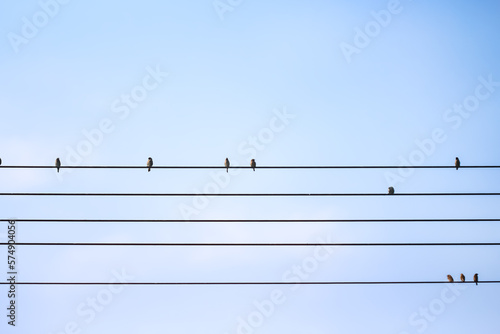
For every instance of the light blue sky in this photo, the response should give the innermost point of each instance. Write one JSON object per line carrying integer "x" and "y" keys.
{"x": 263, "y": 80}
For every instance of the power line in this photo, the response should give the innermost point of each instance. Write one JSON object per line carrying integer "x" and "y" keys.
{"x": 218, "y": 244}
{"x": 48, "y": 220}
{"x": 247, "y": 283}
{"x": 246, "y": 194}
{"x": 248, "y": 167}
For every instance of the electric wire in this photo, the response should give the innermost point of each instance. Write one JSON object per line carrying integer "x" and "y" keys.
{"x": 252, "y": 283}
{"x": 397, "y": 220}
{"x": 252, "y": 244}
{"x": 243, "y": 194}
{"x": 248, "y": 167}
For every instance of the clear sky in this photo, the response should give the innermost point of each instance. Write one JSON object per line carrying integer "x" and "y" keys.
{"x": 284, "y": 82}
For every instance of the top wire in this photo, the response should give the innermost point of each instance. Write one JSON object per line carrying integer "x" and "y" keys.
{"x": 249, "y": 167}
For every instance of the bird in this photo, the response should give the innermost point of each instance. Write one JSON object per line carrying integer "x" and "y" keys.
{"x": 150, "y": 164}
{"x": 58, "y": 164}
{"x": 253, "y": 164}
{"x": 0, "y": 161}
{"x": 462, "y": 277}
{"x": 391, "y": 190}
{"x": 226, "y": 164}
{"x": 450, "y": 279}
{"x": 475, "y": 278}
{"x": 457, "y": 163}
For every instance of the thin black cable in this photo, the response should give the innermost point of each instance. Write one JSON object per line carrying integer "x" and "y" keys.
{"x": 248, "y": 167}
{"x": 244, "y": 244}
{"x": 245, "y": 283}
{"x": 247, "y": 194}
{"x": 46, "y": 220}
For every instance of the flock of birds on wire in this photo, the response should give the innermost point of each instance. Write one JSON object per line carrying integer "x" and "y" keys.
{"x": 227, "y": 164}
{"x": 253, "y": 165}
{"x": 462, "y": 278}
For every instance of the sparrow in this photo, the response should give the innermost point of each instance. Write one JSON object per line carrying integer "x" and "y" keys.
{"x": 391, "y": 190}
{"x": 457, "y": 163}
{"x": 58, "y": 164}
{"x": 450, "y": 279}
{"x": 150, "y": 164}
{"x": 475, "y": 278}
{"x": 226, "y": 164}
{"x": 462, "y": 277}
{"x": 252, "y": 164}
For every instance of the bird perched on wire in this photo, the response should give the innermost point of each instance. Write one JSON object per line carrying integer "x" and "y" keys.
{"x": 58, "y": 164}
{"x": 252, "y": 164}
{"x": 227, "y": 164}
{"x": 391, "y": 190}
{"x": 450, "y": 278}
{"x": 475, "y": 278}
{"x": 0, "y": 161}
{"x": 150, "y": 164}
{"x": 457, "y": 163}
{"x": 462, "y": 277}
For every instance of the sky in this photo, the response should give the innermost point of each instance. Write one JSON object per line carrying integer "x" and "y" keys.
{"x": 287, "y": 83}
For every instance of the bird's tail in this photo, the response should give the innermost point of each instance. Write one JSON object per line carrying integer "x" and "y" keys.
{"x": 149, "y": 169}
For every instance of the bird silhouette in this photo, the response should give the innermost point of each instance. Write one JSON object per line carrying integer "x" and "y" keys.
{"x": 450, "y": 278}
{"x": 58, "y": 164}
{"x": 150, "y": 164}
{"x": 0, "y": 161}
{"x": 457, "y": 163}
{"x": 226, "y": 164}
{"x": 391, "y": 190}
{"x": 462, "y": 277}
{"x": 475, "y": 278}
{"x": 252, "y": 164}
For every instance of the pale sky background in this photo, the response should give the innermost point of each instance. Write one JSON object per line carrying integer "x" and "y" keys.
{"x": 222, "y": 77}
